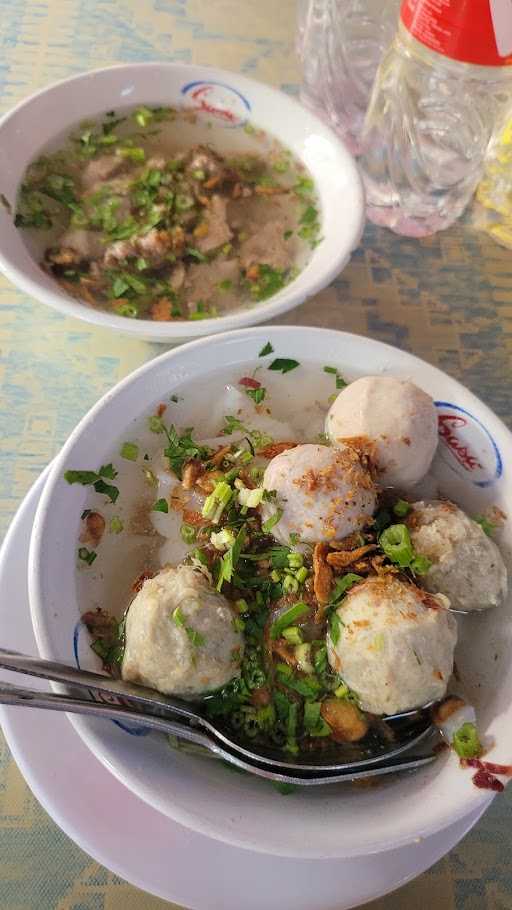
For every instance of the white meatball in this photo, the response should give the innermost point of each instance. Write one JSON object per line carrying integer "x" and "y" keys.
{"x": 466, "y": 564}
{"x": 324, "y": 493}
{"x": 395, "y": 419}
{"x": 186, "y": 653}
{"x": 396, "y": 644}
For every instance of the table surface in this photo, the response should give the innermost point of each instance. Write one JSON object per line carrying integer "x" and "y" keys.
{"x": 447, "y": 299}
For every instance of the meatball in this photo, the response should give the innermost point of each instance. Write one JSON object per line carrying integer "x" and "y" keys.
{"x": 395, "y": 646}
{"x": 323, "y": 493}
{"x": 394, "y": 420}
{"x": 180, "y": 636}
{"x": 466, "y": 564}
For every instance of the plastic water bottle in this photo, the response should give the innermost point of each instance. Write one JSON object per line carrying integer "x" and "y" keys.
{"x": 439, "y": 91}
{"x": 340, "y": 44}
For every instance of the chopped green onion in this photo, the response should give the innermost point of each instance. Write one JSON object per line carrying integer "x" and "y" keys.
{"x": 466, "y": 741}
{"x": 304, "y": 187}
{"x": 130, "y": 451}
{"x": 151, "y": 480}
{"x": 230, "y": 559}
{"x": 156, "y": 424}
{"x": 201, "y": 556}
{"x": 343, "y": 585}
{"x": 287, "y": 618}
{"x": 308, "y": 688}
{"x": 402, "y": 508}
{"x": 420, "y": 565}
{"x": 116, "y": 525}
{"x": 242, "y": 605}
{"x": 283, "y": 364}
{"x": 238, "y": 624}
{"x": 183, "y": 203}
{"x": 195, "y": 637}
{"x": 257, "y": 395}
{"x": 199, "y": 174}
{"x": 283, "y": 788}
{"x": 222, "y": 540}
{"x": 188, "y": 533}
{"x": 290, "y": 584}
{"x": 314, "y": 724}
{"x": 272, "y": 521}
{"x": 249, "y": 498}
{"x": 225, "y": 285}
{"x": 196, "y": 254}
{"x": 295, "y": 560}
{"x": 161, "y": 505}
{"x": 301, "y": 575}
{"x": 342, "y": 691}
{"x": 303, "y": 657}
{"x": 293, "y": 635}
{"x": 178, "y": 618}
{"x": 487, "y": 526}
{"x": 217, "y": 501}
{"x": 129, "y": 310}
{"x": 397, "y": 545}
{"x": 134, "y": 153}
{"x": 266, "y": 349}
{"x": 143, "y": 115}
{"x": 335, "y": 625}
{"x": 86, "y": 555}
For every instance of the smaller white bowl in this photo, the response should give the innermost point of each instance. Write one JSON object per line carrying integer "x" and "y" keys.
{"x": 231, "y": 101}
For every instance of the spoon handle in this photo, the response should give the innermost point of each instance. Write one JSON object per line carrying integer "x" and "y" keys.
{"x": 102, "y": 684}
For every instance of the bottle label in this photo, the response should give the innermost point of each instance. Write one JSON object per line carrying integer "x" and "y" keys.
{"x": 472, "y": 31}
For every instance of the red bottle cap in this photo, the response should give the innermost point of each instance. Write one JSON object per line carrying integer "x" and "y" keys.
{"x": 472, "y": 31}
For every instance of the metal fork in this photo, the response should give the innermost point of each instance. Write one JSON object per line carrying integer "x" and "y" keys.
{"x": 148, "y": 708}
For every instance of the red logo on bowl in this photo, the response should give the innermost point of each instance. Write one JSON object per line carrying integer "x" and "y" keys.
{"x": 467, "y": 446}
{"x": 216, "y": 99}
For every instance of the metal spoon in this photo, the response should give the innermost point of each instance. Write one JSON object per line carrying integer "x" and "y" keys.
{"x": 148, "y": 705}
{"x": 29, "y": 698}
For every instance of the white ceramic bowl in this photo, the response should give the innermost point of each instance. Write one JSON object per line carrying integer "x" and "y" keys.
{"x": 231, "y": 101}
{"x": 331, "y": 821}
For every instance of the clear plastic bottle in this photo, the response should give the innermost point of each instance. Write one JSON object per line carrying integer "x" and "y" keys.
{"x": 439, "y": 91}
{"x": 340, "y": 44}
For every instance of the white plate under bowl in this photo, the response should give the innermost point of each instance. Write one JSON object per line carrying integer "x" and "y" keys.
{"x": 334, "y": 821}
{"x": 145, "y": 847}
{"x": 231, "y": 101}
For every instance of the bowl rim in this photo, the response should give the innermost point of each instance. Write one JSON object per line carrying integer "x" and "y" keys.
{"x": 292, "y": 295}
{"x": 477, "y": 800}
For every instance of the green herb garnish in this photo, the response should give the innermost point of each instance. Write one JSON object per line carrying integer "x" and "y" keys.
{"x": 487, "y": 526}
{"x": 86, "y": 555}
{"x": 116, "y": 525}
{"x": 283, "y": 365}
{"x": 130, "y": 451}
{"x": 466, "y": 741}
{"x": 161, "y": 505}
{"x": 257, "y": 395}
{"x": 402, "y": 508}
{"x": 272, "y": 521}
{"x": 341, "y": 383}
{"x": 96, "y": 479}
{"x": 288, "y": 618}
{"x": 266, "y": 349}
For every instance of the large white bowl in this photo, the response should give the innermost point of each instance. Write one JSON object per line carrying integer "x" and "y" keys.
{"x": 472, "y": 465}
{"x": 232, "y": 100}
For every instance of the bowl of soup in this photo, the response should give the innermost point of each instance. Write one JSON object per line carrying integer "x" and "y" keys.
{"x": 179, "y": 201}
{"x": 267, "y": 573}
